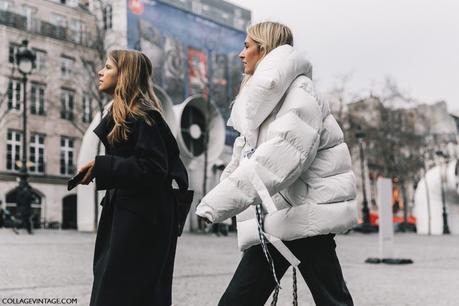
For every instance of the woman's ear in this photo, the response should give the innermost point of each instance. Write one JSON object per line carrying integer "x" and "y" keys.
{"x": 261, "y": 51}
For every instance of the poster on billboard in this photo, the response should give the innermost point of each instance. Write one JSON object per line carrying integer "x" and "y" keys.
{"x": 174, "y": 70}
{"x": 219, "y": 86}
{"x": 236, "y": 69}
{"x": 197, "y": 73}
{"x": 151, "y": 44}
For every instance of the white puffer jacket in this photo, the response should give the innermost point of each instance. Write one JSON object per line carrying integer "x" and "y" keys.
{"x": 289, "y": 140}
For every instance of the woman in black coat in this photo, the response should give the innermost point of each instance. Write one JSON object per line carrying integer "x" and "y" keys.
{"x": 137, "y": 233}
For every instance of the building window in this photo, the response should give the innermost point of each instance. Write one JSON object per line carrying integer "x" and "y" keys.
{"x": 73, "y": 3}
{"x": 28, "y": 12}
{"x": 67, "y": 102}
{"x": 108, "y": 17}
{"x": 67, "y": 64}
{"x": 59, "y": 20}
{"x": 13, "y": 150}
{"x": 15, "y": 94}
{"x": 67, "y": 167}
{"x": 5, "y": 5}
{"x": 40, "y": 61}
{"x": 76, "y": 30}
{"x": 37, "y": 103}
{"x": 12, "y": 52}
{"x": 87, "y": 108}
{"x": 37, "y": 153}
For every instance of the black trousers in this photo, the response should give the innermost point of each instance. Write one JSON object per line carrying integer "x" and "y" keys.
{"x": 253, "y": 281}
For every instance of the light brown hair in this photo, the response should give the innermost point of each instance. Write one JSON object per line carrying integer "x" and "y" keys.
{"x": 133, "y": 94}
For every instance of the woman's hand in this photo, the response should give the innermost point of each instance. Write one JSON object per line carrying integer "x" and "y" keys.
{"x": 202, "y": 215}
{"x": 89, "y": 168}
{"x": 205, "y": 219}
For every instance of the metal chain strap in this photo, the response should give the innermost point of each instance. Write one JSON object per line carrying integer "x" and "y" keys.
{"x": 264, "y": 246}
{"x": 295, "y": 289}
{"x": 275, "y": 297}
{"x": 266, "y": 252}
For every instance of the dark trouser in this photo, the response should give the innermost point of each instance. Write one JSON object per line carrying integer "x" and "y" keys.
{"x": 253, "y": 281}
{"x": 27, "y": 222}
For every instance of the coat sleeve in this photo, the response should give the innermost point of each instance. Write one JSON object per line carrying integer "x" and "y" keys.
{"x": 146, "y": 167}
{"x": 239, "y": 143}
{"x": 290, "y": 148}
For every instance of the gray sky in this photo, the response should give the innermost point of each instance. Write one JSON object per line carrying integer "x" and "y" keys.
{"x": 416, "y": 42}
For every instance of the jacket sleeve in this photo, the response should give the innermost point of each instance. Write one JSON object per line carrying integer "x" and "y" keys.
{"x": 290, "y": 148}
{"x": 239, "y": 143}
{"x": 146, "y": 167}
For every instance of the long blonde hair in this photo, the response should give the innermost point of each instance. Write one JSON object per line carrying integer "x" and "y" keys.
{"x": 133, "y": 94}
{"x": 268, "y": 35}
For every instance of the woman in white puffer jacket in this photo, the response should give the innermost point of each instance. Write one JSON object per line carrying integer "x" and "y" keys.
{"x": 290, "y": 171}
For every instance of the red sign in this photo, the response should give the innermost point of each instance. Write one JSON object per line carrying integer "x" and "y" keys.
{"x": 136, "y": 7}
{"x": 197, "y": 72}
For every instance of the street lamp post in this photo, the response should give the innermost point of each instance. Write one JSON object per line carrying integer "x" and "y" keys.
{"x": 25, "y": 62}
{"x": 443, "y": 167}
{"x": 365, "y": 227}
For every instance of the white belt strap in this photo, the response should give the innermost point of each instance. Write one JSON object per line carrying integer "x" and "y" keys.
{"x": 268, "y": 204}
{"x": 260, "y": 187}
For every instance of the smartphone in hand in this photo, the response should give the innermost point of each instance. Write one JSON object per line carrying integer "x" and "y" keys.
{"x": 76, "y": 179}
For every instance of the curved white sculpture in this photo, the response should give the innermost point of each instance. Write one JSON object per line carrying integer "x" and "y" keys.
{"x": 168, "y": 111}
{"x": 428, "y": 205}
{"x": 86, "y": 212}
{"x": 192, "y": 115}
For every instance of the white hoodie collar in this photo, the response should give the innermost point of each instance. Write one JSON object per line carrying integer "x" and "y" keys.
{"x": 258, "y": 98}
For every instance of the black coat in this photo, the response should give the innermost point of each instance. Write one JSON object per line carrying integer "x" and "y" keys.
{"x": 137, "y": 233}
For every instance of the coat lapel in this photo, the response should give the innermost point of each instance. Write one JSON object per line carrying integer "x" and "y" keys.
{"x": 103, "y": 129}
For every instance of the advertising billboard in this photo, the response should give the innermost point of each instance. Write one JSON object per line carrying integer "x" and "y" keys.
{"x": 191, "y": 55}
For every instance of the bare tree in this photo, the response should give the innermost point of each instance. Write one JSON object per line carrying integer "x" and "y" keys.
{"x": 394, "y": 144}
{"x": 339, "y": 96}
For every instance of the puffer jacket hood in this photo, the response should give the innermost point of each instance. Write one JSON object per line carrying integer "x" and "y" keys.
{"x": 290, "y": 157}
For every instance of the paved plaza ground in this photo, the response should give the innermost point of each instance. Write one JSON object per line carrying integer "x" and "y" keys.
{"x": 56, "y": 263}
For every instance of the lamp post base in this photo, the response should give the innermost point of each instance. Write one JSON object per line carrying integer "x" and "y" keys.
{"x": 404, "y": 227}
{"x": 365, "y": 228}
{"x": 446, "y": 230}
{"x": 389, "y": 261}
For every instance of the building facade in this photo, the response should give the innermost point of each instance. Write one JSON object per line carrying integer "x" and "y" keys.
{"x": 60, "y": 101}
{"x": 399, "y": 143}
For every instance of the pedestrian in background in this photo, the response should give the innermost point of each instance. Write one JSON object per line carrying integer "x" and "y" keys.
{"x": 24, "y": 200}
{"x": 137, "y": 234}
{"x": 2, "y": 215}
{"x": 290, "y": 176}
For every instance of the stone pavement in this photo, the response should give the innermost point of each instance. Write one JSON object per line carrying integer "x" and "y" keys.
{"x": 53, "y": 263}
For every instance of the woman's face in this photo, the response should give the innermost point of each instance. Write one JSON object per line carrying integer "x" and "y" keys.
{"x": 108, "y": 77}
{"x": 250, "y": 55}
